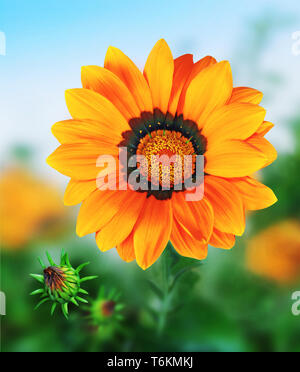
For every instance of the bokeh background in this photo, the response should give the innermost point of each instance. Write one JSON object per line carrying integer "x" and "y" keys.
{"x": 238, "y": 300}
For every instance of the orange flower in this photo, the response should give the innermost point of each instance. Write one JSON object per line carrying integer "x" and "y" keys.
{"x": 275, "y": 252}
{"x": 177, "y": 107}
{"x": 28, "y": 208}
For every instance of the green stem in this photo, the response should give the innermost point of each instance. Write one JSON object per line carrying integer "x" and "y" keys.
{"x": 166, "y": 298}
{"x": 165, "y": 283}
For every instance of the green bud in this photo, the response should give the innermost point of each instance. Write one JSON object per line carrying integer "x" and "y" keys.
{"x": 106, "y": 308}
{"x": 60, "y": 284}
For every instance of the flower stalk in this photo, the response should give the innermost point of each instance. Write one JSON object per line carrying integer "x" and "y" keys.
{"x": 165, "y": 284}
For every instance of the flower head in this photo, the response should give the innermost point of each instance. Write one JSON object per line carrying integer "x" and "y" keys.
{"x": 61, "y": 284}
{"x": 275, "y": 252}
{"x": 177, "y": 109}
{"x": 106, "y": 309}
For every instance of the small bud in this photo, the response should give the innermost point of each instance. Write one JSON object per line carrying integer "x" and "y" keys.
{"x": 106, "y": 308}
{"x": 61, "y": 284}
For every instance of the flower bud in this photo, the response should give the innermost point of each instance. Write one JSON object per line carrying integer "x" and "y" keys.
{"x": 106, "y": 308}
{"x": 61, "y": 284}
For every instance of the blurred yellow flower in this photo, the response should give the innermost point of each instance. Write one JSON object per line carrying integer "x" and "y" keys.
{"x": 29, "y": 208}
{"x": 275, "y": 253}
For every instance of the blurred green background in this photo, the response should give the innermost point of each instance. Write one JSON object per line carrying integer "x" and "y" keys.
{"x": 226, "y": 303}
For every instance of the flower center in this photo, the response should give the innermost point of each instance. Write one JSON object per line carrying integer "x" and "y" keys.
{"x": 54, "y": 278}
{"x": 108, "y": 308}
{"x": 165, "y": 142}
{"x": 165, "y": 152}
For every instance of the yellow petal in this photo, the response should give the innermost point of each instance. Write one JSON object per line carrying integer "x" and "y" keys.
{"x": 209, "y": 90}
{"x": 121, "y": 225}
{"x": 264, "y": 128}
{"x": 75, "y": 131}
{"x": 196, "y": 217}
{"x": 244, "y": 94}
{"x": 79, "y": 160}
{"x": 126, "y": 249}
{"x": 112, "y": 87}
{"x": 86, "y": 104}
{"x": 118, "y": 63}
{"x": 77, "y": 191}
{"x": 159, "y": 69}
{"x": 265, "y": 147}
{"x": 196, "y": 68}
{"x": 222, "y": 240}
{"x": 186, "y": 245}
{"x": 182, "y": 69}
{"x": 235, "y": 121}
{"x": 255, "y": 195}
{"x": 229, "y": 213}
{"x": 201, "y": 65}
{"x": 98, "y": 209}
{"x": 233, "y": 158}
{"x": 152, "y": 231}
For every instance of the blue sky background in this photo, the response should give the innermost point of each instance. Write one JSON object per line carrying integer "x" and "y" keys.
{"x": 47, "y": 42}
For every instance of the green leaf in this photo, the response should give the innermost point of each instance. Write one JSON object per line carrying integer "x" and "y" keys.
{"x": 38, "y": 277}
{"x": 53, "y": 308}
{"x": 82, "y": 300}
{"x": 65, "y": 310}
{"x": 38, "y": 291}
{"x": 184, "y": 270}
{"x": 80, "y": 267}
{"x": 62, "y": 257}
{"x": 67, "y": 259}
{"x": 155, "y": 289}
{"x": 41, "y": 303}
{"x": 42, "y": 263}
{"x": 74, "y": 301}
{"x": 88, "y": 278}
{"x": 51, "y": 262}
